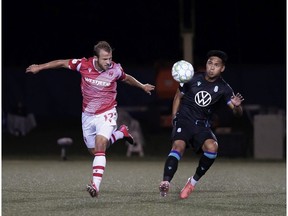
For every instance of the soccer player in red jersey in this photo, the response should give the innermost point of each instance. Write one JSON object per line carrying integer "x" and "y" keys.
{"x": 99, "y": 90}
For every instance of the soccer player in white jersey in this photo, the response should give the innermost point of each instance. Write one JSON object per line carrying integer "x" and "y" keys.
{"x": 99, "y": 90}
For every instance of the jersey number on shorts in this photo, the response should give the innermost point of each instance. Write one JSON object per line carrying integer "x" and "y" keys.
{"x": 109, "y": 117}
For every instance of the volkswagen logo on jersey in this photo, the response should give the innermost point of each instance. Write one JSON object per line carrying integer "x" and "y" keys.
{"x": 203, "y": 98}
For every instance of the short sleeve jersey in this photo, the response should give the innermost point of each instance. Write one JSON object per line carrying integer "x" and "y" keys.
{"x": 99, "y": 89}
{"x": 201, "y": 97}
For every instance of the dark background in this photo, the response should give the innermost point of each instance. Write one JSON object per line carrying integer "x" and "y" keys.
{"x": 142, "y": 32}
{"x": 145, "y": 35}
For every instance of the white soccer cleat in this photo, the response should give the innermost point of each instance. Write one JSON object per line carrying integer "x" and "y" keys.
{"x": 164, "y": 188}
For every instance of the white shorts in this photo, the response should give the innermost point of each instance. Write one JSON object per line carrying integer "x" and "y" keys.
{"x": 103, "y": 124}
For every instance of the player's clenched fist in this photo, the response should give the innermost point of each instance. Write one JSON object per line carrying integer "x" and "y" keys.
{"x": 34, "y": 68}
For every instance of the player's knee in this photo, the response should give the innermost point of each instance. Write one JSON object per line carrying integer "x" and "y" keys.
{"x": 179, "y": 146}
{"x": 101, "y": 145}
{"x": 210, "y": 146}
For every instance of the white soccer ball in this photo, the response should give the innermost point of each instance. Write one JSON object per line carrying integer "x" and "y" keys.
{"x": 182, "y": 71}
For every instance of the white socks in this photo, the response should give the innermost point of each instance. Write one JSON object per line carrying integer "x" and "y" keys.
{"x": 99, "y": 164}
{"x": 116, "y": 135}
{"x": 192, "y": 181}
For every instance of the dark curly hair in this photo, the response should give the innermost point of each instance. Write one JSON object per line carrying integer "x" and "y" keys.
{"x": 220, "y": 54}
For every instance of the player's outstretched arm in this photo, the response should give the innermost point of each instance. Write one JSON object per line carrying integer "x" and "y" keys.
{"x": 134, "y": 82}
{"x": 35, "y": 68}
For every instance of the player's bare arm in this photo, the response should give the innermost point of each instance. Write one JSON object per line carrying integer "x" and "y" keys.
{"x": 35, "y": 68}
{"x": 235, "y": 104}
{"x": 176, "y": 102}
{"x": 134, "y": 82}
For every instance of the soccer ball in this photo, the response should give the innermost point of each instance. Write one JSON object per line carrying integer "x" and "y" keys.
{"x": 182, "y": 71}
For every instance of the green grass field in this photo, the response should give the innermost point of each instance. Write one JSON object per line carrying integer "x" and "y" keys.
{"x": 49, "y": 186}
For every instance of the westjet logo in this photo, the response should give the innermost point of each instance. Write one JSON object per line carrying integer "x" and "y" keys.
{"x": 97, "y": 82}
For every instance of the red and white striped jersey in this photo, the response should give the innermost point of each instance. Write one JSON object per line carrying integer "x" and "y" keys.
{"x": 99, "y": 89}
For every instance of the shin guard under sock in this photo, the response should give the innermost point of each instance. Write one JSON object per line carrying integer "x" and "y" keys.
{"x": 205, "y": 162}
{"x": 99, "y": 164}
{"x": 171, "y": 165}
